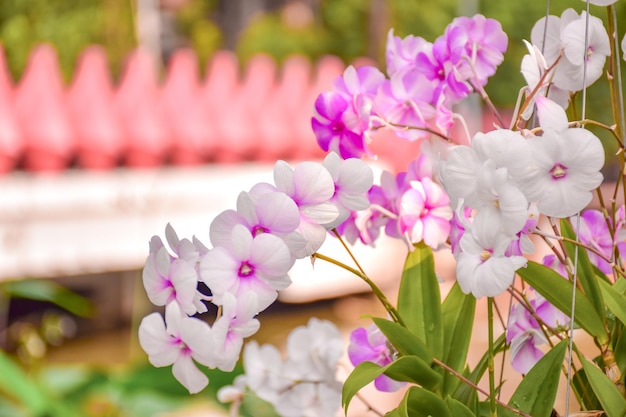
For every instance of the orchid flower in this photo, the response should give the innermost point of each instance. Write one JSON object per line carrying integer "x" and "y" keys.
{"x": 371, "y": 345}
{"x": 178, "y": 342}
{"x": 167, "y": 278}
{"x": 565, "y": 164}
{"x": 256, "y": 264}
{"x": 482, "y": 267}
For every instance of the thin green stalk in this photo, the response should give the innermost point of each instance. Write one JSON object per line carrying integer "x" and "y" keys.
{"x": 614, "y": 76}
{"x": 493, "y": 411}
{"x": 345, "y": 246}
{"x": 377, "y": 291}
{"x": 463, "y": 379}
{"x": 615, "y": 84}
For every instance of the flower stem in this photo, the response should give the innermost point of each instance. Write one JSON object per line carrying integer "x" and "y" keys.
{"x": 493, "y": 411}
{"x": 377, "y": 291}
{"x": 476, "y": 387}
{"x": 614, "y": 76}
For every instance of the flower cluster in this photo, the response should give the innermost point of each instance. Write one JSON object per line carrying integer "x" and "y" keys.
{"x": 409, "y": 206}
{"x": 482, "y": 199}
{"x": 425, "y": 80}
{"x": 254, "y": 247}
{"x": 504, "y": 176}
{"x": 303, "y": 384}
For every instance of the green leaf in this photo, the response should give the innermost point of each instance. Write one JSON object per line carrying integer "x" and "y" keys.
{"x": 586, "y": 274}
{"x": 47, "y": 290}
{"x": 615, "y": 301}
{"x": 458, "y": 318}
{"x": 536, "y": 393}
{"x": 405, "y": 368}
{"x": 580, "y": 383}
{"x": 418, "y": 402}
{"x": 458, "y": 409}
{"x": 620, "y": 285}
{"x": 419, "y": 299}
{"x": 15, "y": 383}
{"x": 609, "y": 396}
{"x": 558, "y": 291}
{"x": 397, "y": 412}
{"x": 466, "y": 394}
{"x": 405, "y": 342}
{"x": 620, "y": 348}
{"x": 423, "y": 403}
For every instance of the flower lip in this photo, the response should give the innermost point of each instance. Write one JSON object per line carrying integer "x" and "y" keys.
{"x": 337, "y": 127}
{"x": 558, "y": 171}
{"x": 245, "y": 269}
{"x": 258, "y": 229}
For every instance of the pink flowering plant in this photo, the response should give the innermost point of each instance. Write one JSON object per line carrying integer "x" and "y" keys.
{"x": 512, "y": 205}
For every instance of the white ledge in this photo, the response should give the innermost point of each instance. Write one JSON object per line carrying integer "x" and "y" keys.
{"x": 79, "y": 222}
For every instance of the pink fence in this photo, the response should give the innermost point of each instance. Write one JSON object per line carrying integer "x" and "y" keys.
{"x": 262, "y": 114}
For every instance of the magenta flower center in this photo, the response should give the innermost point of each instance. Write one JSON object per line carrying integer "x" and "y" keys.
{"x": 258, "y": 229}
{"x": 337, "y": 127}
{"x": 245, "y": 269}
{"x": 184, "y": 349}
{"x": 558, "y": 171}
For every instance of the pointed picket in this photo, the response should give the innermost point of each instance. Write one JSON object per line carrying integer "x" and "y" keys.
{"x": 40, "y": 104}
{"x": 182, "y": 107}
{"x": 277, "y": 124}
{"x": 11, "y": 138}
{"x": 90, "y": 106}
{"x": 250, "y": 105}
{"x": 147, "y": 141}
{"x": 218, "y": 99}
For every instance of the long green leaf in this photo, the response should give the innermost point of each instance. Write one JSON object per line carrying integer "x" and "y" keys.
{"x": 418, "y": 402}
{"x": 620, "y": 348}
{"x": 615, "y": 301}
{"x": 419, "y": 299}
{"x": 558, "y": 291}
{"x": 47, "y": 290}
{"x": 586, "y": 273}
{"x": 581, "y": 385}
{"x": 612, "y": 401}
{"x": 405, "y": 368}
{"x": 466, "y": 394}
{"x": 405, "y": 342}
{"x": 536, "y": 393}
{"x": 399, "y": 411}
{"x": 458, "y": 409}
{"x": 15, "y": 383}
{"x": 458, "y": 318}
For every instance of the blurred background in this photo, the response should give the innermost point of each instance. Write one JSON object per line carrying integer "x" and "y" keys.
{"x": 119, "y": 116}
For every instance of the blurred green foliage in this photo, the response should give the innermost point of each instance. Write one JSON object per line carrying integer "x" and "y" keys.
{"x": 38, "y": 389}
{"x": 79, "y": 391}
{"x": 202, "y": 34}
{"x": 69, "y": 25}
{"x": 346, "y": 28}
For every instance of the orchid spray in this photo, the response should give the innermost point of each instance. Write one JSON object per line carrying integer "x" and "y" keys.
{"x": 512, "y": 205}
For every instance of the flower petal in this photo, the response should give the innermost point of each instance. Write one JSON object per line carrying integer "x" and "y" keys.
{"x": 189, "y": 375}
